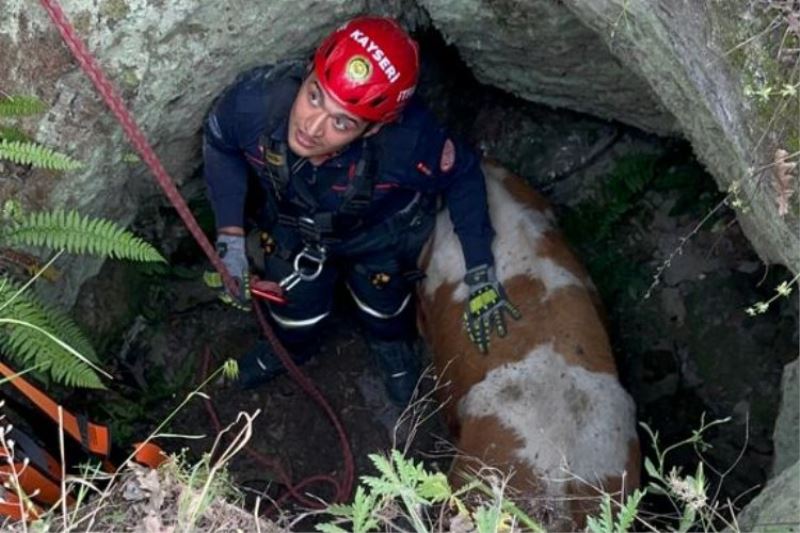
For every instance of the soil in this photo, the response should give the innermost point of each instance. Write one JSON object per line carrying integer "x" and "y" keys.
{"x": 289, "y": 427}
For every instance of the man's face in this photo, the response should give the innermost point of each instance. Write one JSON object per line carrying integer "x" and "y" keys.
{"x": 318, "y": 126}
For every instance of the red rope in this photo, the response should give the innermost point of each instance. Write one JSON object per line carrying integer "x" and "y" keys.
{"x": 292, "y": 490}
{"x": 95, "y": 73}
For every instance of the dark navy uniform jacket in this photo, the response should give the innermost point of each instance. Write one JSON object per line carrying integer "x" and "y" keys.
{"x": 413, "y": 159}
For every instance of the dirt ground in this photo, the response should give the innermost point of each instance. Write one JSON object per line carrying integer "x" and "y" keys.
{"x": 290, "y": 426}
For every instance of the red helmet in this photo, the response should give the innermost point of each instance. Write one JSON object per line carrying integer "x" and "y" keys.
{"x": 370, "y": 66}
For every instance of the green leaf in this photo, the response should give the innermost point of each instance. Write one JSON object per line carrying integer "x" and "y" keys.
{"x": 28, "y": 153}
{"x": 435, "y": 488}
{"x": 657, "y": 489}
{"x": 651, "y": 469}
{"x": 487, "y": 519}
{"x": 629, "y": 511}
{"x": 687, "y": 520}
{"x": 78, "y": 234}
{"x": 360, "y": 513}
{"x": 20, "y": 106}
{"x": 605, "y": 522}
{"x": 700, "y": 480}
{"x": 363, "y": 509}
{"x": 31, "y": 348}
{"x": 384, "y": 467}
{"x": 381, "y": 486}
{"x": 13, "y": 134}
{"x": 340, "y": 509}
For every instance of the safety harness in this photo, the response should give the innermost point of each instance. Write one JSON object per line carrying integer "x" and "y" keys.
{"x": 302, "y": 212}
{"x": 292, "y": 203}
{"x": 29, "y": 475}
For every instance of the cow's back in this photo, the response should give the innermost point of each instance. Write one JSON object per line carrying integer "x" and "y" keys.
{"x": 545, "y": 403}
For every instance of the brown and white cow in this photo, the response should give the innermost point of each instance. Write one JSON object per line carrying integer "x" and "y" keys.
{"x": 545, "y": 404}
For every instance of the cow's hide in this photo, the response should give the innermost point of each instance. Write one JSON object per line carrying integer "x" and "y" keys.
{"x": 545, "y": 405}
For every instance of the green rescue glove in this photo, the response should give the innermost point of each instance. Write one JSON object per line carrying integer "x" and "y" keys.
{"x": 486, "y": 306}
{"x": 231, "y": 249}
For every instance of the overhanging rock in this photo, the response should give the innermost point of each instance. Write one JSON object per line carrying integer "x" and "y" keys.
{"x": 666, "y": 66}
{"x": 542, "y": 52}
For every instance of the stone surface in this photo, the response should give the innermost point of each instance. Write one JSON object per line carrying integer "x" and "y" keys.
{"x": 787, "y": 425}
{"x": 665, "y": 66}
{"x": 683, "y": 50}
{"x": 542, "y": 52}
{"x": 777, "y": 508}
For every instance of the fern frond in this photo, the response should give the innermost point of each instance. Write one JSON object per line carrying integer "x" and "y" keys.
{"x": 19, "y": 106}
{"x": 604, "y": 522}
{"x": 629, "y": 511}
{"x": 29, "y": 347}
{"x": 66, "y": 329}
{"x": 13, "y": 134}
{"x": 489, "y": 519}
{"x": 79, "y": 234}
{"x": 28, "y": 153}
{"x": 363, "y": 509}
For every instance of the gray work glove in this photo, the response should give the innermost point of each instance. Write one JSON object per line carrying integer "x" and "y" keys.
{"x": 231, "y": 249}
{"x": 486, "y": 305}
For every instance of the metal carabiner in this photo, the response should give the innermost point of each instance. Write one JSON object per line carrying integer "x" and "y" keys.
{"x": 316, "y": 256}
{"x": 290, "y": 281}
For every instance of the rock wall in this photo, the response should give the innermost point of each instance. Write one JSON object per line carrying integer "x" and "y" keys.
{"x": 787, "y": 426}
{"x": 540, "y": 51}
{"x": 777, "y": 508}
{"x": 672, "y": 67}
{"x": 666, "y": 66}
{"x": 683, "y": 49}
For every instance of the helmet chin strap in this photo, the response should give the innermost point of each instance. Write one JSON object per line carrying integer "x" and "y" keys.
{"x": 372, "y": 128}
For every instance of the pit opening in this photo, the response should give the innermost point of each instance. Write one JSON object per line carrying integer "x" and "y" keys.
{"x": 625, "y": 199}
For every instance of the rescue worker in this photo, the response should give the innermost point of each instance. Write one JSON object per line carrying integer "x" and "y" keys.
{"x": 349, "y": 164}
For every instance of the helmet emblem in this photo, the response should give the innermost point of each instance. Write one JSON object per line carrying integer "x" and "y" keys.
{"x": 358, "y": 69}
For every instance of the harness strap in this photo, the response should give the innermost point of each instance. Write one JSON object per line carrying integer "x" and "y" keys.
{"x": 358, "y": 197}
{"x": 275, "y": 159}
{"x": 149, "y": 454}
{"x": 27, "y": 447}
{"x": 302, "y": 210}
{"x": 314, "y": 229}
{"x": 32, "y": 481}
{"x": 93, "y": 437}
